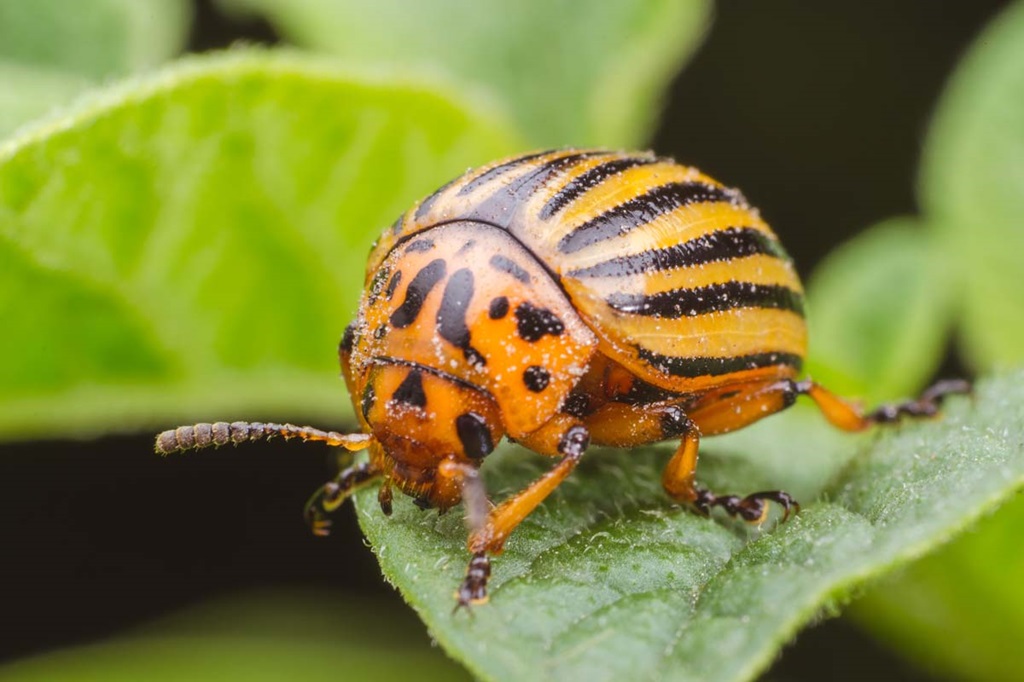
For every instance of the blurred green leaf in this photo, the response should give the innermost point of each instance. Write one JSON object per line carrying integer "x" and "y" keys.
{"x": 29, "y": 92}
{"x": 879, "y": 313}
{"x": 607, "y": 580}
{"x": 94, "y": 38}
{"x": 959, "y": 612}
{"x": 972, "y": 186}
{"x": 255, "y": 637}
{"x": 197, "y": 240}
{"x": 574, "y": 72}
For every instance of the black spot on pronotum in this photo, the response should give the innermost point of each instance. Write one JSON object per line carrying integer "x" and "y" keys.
{"x": 393, "y": 284}
{"x": 420, "y": 245}
{"x": 410, "y": 391}
{"x": 536, "y": 378}
{"x": 380, "y": 332}
{"x": 507, "y": 265}
{"x": 532, "y": 322}
{"x": 368, "y": 400}
{"x": 348, "y": 339}
{"x": 451, "y": 314}
{"x": 498, "y": 308}
{"x": 474, "y": 435}
{"x": 377, "y": 284}
{"x": 416, "y": 293}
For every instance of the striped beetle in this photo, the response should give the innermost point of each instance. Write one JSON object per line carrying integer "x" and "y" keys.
{"x": 564, "y": 298}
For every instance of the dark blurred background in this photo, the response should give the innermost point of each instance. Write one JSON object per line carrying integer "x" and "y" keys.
{"x": 818, "y": 115}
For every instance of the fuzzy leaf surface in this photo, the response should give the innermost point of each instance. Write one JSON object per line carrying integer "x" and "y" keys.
{"x": 609, "y": 580}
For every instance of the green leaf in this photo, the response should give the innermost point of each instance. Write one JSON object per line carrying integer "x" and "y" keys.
{"x": 879, "y": 312}
{"x": 29, "y": 92}
{"x": 972, "y": 187}
{"x": 255, "y": 637}
{"x": 95, "y": 38}
{"x": 574, "y": 72}
{"x": 960, "y": 611}
{"x": 607, "y": 580}
{"x": 197, "y": 240}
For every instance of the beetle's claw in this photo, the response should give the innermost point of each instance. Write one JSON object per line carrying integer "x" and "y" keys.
{"x": 474, "y": 588}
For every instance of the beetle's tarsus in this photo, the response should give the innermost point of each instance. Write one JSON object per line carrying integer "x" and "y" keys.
{"x": 925, "y": 405}
{"x": 473, "y": 589}
{"x": 752, "y": 508}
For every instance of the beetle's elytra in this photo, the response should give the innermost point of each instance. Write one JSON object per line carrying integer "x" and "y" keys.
{"x": 564, "y": 298}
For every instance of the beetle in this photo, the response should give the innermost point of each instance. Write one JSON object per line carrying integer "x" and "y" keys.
{"x": 561, "y": 299}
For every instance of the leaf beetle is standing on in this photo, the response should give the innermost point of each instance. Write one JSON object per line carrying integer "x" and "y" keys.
{"x": 560, "y": 299}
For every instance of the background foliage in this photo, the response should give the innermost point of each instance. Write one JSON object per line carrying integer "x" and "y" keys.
{"x": 188, "y": 241}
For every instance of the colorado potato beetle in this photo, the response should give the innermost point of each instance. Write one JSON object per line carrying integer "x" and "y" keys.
{"x": 564, "y": 298}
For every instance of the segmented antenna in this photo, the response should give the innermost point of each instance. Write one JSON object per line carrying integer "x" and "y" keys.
{"x": 198, "y": 436}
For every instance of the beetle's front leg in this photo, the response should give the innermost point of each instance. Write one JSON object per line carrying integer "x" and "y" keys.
{"x": 330, "y": 495}
{"x": 489, "y": 529}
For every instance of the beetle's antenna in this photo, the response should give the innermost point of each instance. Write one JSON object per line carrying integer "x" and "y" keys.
{"x": 198, "y": 436}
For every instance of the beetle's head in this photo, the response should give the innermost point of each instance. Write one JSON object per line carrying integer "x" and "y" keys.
{"x": 419, "y": 418}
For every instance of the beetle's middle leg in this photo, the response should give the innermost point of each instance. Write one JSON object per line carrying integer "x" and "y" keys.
{"x": 723, "y": 409}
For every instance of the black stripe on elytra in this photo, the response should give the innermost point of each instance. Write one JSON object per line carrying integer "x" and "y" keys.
{"x": 697, "y": 366}
{"x": 420, "y": 245}
{"x": 451, "y": 314}
{"x": 732, "y": 242}
{"x": 499, "y": 170}
{"x": 396, "y": 226}
{"x": 676, "y": 303}
{"x": 416, "y": 293}
{"x": 474, "y": 435}
{"x": 424, "y": 208}
{"x": 589, "y": 180}
{"x": 641, "y": 210}
{"x": 534, "y": 322}
{"x": 507, "y": 265}
{"x": 501, "y": 206}
{"x": 410, "y": 391}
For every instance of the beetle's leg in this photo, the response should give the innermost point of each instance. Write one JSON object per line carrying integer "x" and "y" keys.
{"x": 474, "y": 497}
{"x": 679, "y": 482}
{"x": 330, "y": 495}
{"x": 849, "y": 417}
{"x": 562, "y": 435}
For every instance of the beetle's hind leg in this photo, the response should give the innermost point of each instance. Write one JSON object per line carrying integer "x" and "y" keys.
{"x": 850, "y": 418}
{"x": 679, "y": 481}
